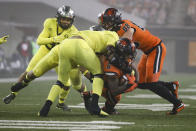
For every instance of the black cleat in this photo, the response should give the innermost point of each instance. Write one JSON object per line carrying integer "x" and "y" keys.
{"x": 176, "y": 109}
{"x": 111, "y": 111}
{"x": 45, "y": 109}
{"x": 9, "y": 98}
{"x": 63, "y": 106}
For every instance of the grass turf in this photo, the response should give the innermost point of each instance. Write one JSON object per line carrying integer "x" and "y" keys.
{"x": 31, "y": 99}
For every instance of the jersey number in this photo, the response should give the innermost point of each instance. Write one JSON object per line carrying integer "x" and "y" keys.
{"x": 126, "y": 27}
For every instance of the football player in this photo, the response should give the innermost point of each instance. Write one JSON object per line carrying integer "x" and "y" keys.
{"x": 81, "y": 49}
{"x": 119, "y": 77}
{"x": 153, "y": 48}
{"x": 3, "y": 39}
{"x": 54, "y": 31}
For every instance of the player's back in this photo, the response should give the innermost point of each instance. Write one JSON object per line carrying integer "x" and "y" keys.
{"x": 142, "y": 36}
{"x": 99, "y": 40}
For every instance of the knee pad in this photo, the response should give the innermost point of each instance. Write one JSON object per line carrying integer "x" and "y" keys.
{"x": 59, "y": 83}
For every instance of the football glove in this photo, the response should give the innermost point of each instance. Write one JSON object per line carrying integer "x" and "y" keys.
{"x": 58, "y": 39}
{"x": 131, "y": 83}
{"x": 3, "y": 39}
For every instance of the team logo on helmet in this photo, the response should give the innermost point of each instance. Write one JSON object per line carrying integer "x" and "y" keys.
{"x": 125, "y": 47}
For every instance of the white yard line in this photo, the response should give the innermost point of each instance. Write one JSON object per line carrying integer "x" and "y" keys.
{"x": 187, "y": 90}
{"x": 63, "y": 125}
{"x": 7, "y": 80}
{"x": 192, "y": 86}
{"x": 166, "y": 125}
{"x": 152, "y": 96}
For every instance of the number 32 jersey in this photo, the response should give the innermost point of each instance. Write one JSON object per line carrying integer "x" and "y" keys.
{"x": 143, "y": 37}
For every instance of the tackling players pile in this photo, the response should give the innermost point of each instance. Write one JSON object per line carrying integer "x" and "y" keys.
{"x": 108, "y": 60}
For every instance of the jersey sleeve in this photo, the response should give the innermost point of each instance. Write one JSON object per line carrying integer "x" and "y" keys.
{"x": 43, "y": 38}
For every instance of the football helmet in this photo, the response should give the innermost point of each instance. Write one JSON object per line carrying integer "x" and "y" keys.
{"x": 65, "y": 17}
{"x": 126, "y": 48}
{"x": 96, "y": 28}
{"x": 110, "y": 18}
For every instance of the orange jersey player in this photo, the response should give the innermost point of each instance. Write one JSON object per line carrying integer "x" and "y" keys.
{"x": 118, "y": 76}
{"x": 116, "y": 83}
{"x": 154, "y": 51}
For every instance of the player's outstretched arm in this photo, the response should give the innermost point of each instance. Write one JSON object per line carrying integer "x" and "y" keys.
{"x": 3, "y": 39}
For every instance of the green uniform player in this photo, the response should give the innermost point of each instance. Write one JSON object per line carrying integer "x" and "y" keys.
{"x": 54, "y": 31}
{"x": 80, "y": 49}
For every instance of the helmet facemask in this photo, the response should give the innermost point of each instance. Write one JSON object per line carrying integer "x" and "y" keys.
{"x": 109, "y": 19}
{"x": 65, "y": 17}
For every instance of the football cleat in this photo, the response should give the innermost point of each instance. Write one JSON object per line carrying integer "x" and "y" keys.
{"x": 176, "y": 86}
{"x": 103, "y": 114}
{"x": 112, "y": 111}
{"x": 9, "y": 98}
{"x": 45, "y": 109}
{"x": 176, "y": 109}
{"x": 63, "y": 106}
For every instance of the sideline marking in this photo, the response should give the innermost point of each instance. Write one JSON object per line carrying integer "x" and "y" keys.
{"x": 75, "y": 125}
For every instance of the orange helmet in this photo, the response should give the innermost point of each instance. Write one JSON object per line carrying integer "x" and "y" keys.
{"x": 110, "y": 18}
{"x": 125, "y": 47}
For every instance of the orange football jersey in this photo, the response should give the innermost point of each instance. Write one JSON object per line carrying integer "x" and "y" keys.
{"x": 141, "y": 36}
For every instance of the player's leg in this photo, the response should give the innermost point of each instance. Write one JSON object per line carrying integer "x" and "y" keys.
{"x": 142, "y": 68}
{"x": 76, "y": 82}
{"x": 86, "y": 57}
{"x": 153, "y": 71}
{"x": 111, "y": 101}
{"x": 64, "y": 67}
{"x": 172, "y": 86}
{"x": 20, "y": 84}
{"x": 154, "y": 63}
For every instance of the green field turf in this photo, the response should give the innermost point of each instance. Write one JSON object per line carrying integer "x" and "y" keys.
{"x": 30, "y": 100}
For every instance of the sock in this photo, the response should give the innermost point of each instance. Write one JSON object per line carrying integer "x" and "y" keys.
{"x": 168, "y": 85}
{"x": 18, "y": 86}
{"x": 165, "y": 93}
{"x": 94, "y": 104}
{"x": 97, "y": 86}
{"x": 48, "y": 103}
{"x": 54, "y": 92}
{"x": 63, "y": 95}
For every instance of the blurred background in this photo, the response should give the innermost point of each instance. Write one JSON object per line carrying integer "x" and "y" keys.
{"x": 174, "y": 21}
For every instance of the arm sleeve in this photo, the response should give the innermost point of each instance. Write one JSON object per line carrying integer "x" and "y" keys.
{"x": 1, "y": 40}
{"x": 43, "y": 38}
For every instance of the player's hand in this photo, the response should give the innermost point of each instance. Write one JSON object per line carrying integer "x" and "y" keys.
{"x": 58, "y": 39}
{"x": 131, "y": 84}
{"x": 4, "y": 39}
